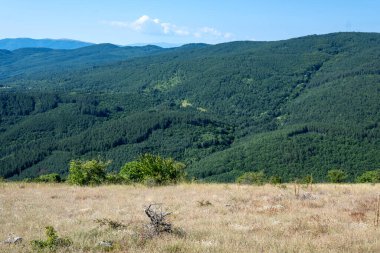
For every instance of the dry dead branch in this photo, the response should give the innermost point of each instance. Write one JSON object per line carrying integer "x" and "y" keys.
{"x": 377, "y": 211}
{"x": 158, "y": 223}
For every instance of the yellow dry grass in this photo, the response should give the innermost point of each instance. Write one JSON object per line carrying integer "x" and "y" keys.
{"x": 330, "y": 218}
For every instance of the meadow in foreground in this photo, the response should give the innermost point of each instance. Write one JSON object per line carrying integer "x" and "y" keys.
{"x": 214, "y": 217}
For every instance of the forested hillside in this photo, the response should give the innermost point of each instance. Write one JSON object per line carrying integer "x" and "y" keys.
{"x": 290, "y": 108}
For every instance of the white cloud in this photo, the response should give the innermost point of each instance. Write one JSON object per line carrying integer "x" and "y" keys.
{"x": 154, "y": 26}
{"x": 148, "y": 25}
{"x": 209, "y": 31}
{"x": 139, "y": 23}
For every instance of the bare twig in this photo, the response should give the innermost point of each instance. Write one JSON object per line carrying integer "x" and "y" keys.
{"x": 296, "y": 189}
{"x": 377, "y": 211}
{"x": 158, "y": 223}
{"x": 110, "y": 223}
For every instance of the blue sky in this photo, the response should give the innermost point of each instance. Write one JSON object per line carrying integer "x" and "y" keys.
{"x": 151, "y": 21}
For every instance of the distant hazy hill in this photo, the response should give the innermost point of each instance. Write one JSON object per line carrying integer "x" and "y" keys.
{"x": 159, "y": 44}
{"x": 45, "y": 61}
{"x": 290, "y": 108}
{"x": 12, "y": 44}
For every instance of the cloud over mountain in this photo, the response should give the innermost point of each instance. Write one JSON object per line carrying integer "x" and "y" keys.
{"x": 155, "y": 26}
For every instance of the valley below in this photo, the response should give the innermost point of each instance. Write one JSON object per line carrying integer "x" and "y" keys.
{"x": 291, "y": 108}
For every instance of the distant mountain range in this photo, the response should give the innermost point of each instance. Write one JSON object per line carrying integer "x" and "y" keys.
{"x": 159, "y": 44}
{"x": 17, "y": 43}
{"x": 12, "y": 44}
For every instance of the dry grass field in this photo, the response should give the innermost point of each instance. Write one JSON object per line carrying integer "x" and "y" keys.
{"x": 215, "y": 217}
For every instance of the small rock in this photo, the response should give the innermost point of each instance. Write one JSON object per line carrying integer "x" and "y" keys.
{"x": 13, "y": 239}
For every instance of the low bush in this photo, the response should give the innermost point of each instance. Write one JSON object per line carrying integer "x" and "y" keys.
{"x": 257, "y": 178}
{"x": 114, "y": 178}
{"x": 49, "y": 178}
{"x": 307, "y": 180}
{"x": 336, "y": 176}
{"x": 372, "y": 176}
{"x": 275, "y": 180}
{"x": 91, "y": 172}
{"x": 52, "y": 242}
{"x": 153, "y": 170}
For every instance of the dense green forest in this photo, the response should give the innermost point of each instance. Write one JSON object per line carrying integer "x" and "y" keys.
{"x": 289, "y": 108}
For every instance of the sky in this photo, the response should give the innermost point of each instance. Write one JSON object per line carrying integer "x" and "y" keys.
{"x": 209, "y": 21}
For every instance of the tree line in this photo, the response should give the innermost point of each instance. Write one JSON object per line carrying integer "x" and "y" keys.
{"x": 155, "y": 170}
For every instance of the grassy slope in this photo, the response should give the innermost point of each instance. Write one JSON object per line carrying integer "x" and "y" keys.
{"x": 330, "y": 218}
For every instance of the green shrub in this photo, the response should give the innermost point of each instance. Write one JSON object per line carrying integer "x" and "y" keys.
{"x": 307, "y": 179}
{"x": 49, "y": 178}
{"x": 114, "y": 178}
{"x": 372, "y": 176}
{"x": 336, "y": 176}
{"x": 91, "y": 172}
{"x": 153, "y": 169}
{"x": 275, "y": 180}
{"x": 133, "y": 172}
{"x": 257, "y": 178}
{"x": 52, "y": 241}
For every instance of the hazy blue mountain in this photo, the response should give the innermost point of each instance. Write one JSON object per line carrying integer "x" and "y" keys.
{"x": 47, "y": 61}
{"x": 12, "y": 44}
{"x": 159, "y": 44}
